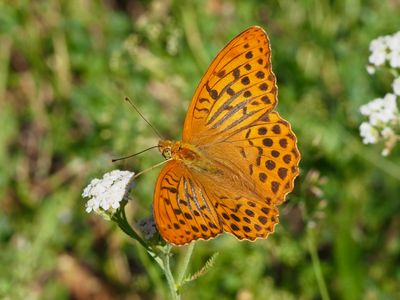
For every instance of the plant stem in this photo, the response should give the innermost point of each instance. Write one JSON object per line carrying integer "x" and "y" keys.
{"x": 168, "y": 274}
{"x": 122, "y": 222}
{"x": 153, "y": 270}
{"x": 185, "y": 264}
{"x": 316, "y": 265}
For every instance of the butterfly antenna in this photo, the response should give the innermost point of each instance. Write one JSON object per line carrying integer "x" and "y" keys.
{"x": 137, "y": 110}
{"x": 151, "y": 168}
{"x": 132, "y": 155}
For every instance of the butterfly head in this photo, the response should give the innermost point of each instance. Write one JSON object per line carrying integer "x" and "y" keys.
{"x": 166, "y": 148}
{"x": 176, "y": 150}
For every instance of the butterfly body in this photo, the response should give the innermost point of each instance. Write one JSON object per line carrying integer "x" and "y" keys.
{"x": 238, "y": 158}
{"x": 189, "y": 155}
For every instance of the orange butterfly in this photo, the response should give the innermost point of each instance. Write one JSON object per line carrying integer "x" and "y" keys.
{"x": 238, "y": 158}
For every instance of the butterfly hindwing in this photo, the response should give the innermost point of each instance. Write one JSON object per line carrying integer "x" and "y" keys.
{"x": 182, "y": 210}
{"x": 240, "y": 211}
{"x": 247, "y": 218}
{"x": 266, "y": 153}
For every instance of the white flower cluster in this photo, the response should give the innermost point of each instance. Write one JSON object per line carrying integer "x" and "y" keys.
{"x": 383, "y": 114}
{"x": 384, "y": 49}
{"x": 106, "y": 194}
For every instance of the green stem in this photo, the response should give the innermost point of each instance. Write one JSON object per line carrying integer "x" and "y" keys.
{"x": 317, "y": 265}
{"x": 185, "y": 264}
{"x": 161, "y": 257}
{"x": 168, "y": 274}
{"x": 153, "y": 270}
{"x": 120, "y": 219}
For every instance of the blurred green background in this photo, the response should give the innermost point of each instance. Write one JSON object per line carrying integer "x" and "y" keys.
{"x": 65, "y": 68}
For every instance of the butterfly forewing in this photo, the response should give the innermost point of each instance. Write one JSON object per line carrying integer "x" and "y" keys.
{"x": 181, "y": 208}
{"x": 237, "y": 89}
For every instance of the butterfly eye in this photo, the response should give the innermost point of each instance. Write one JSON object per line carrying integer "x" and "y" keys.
{"x": 167, "y": 153}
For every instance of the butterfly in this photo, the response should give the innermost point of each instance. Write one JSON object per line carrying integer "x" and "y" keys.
{"x": 237, "y": 159}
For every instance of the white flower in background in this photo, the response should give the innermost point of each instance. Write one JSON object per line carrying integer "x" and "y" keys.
{"x": 388, "y": 111}
{"x": 396, "y": 86}
{"x": 378, "y": 48}
{"x": 371, "y": 70}
{"x": 394, "y": 59}
{"x": 384, "y": 49}
{"x": 369, "y": 134}
{"x": 381, "y": 111}
{"x": 106, "y": 194}
{"x": 393, "y": 43}
{"x": 371, "y": 107}
{"x": 383, "y": 123}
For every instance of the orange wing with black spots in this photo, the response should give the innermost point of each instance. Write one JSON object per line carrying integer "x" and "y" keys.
{"x": 238, "y": 88}
{"x": 247, "y": 218}
{"x": 241, "y": 211}
{"x": 247, "y": 156}
{"x": 266, "y": 153}
{"x": 181, "y": 208}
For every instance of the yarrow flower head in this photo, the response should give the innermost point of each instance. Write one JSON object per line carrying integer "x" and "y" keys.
{"x": 396, "y": 86}
{"x": 106, "y": 194}
{"x": 383, "y": 115}
{"x": 393, "y": 43}
{"x": 384, "y": 49}
{"x": 369, "y": 134}
{"x": 381, "y": 111}
{"x": 378, "y": 48}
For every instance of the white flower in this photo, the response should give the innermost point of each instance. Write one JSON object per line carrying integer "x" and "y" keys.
{"x": 389, "y": 110}
{"x": 369, "y": 134}
{"x": 381, "y": 111}
{"x": 377, "y": 58}
{"x": 390, "y": 103}
{"x": 378, "y": 48}
{"x": 107, "y": 193}
{"x": 394, "y": 58}
{"x": 371, "y": 70}
{"x": 393, "y": 41}
{"x": 371, "y": 107}
{"x": 396, "y": 86}
{"x": 378, "y": 44}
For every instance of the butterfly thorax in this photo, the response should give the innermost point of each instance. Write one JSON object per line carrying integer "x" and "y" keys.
{"x": 187, "y": 153}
